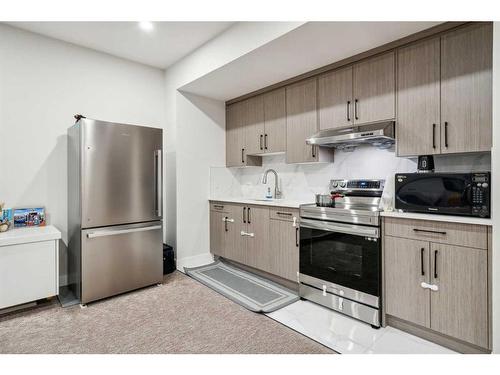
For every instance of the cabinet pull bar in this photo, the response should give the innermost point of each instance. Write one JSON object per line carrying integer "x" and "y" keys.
{"x": 242, "y": 155}
{"x": 435, "y": 264}
{"x": 225, "y": 224}
{"x": 248, "y": 215}
{"x": 265, "y": 141}
{"x": 445, "y": 134}
{"x": 433, "y": 136}
{"x": 312, "y": 152}
{"x": 422, "y": 261}
{"x": 244, "y": 212}
{"x": 348, "y": 107}
{"x": 284, "y": 213}
{"x": 356, "y": 109}
{"x": 218, "y": 206}
{"x": 297, "y": 237}
{"x": 260, "y": 142}
{"x": 428, "y": 231}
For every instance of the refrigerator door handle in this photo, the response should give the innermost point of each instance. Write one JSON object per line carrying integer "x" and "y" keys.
{"x": 158, "y": 182}
{"x": 104, "y": 233}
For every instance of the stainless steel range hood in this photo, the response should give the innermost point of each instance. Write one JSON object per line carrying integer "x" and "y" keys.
{"x": 380, "y": 134}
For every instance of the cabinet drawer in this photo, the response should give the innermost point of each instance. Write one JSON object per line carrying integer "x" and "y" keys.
{"x": 220, "y": 207}
{"x": 286, "y": 214}
{"x": 468, "y": 235}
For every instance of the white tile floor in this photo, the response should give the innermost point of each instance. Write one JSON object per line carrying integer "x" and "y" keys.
{"x": 350, "y": 336}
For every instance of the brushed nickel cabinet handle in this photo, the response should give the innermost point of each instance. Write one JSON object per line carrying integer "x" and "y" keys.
{"x": 356, "y": 109}
{"x": 348, "y": 110}
{"x": 244, "y": 215}
{"x": 265, "y": 141}
{"x": 248, "y": 215}
{"x": 284, "y": 213}
{"x": 225, "y": 224}
{"x": 297, "y": 237}
{"x": 260, "y": 142}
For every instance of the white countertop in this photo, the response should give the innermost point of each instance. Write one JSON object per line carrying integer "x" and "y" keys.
{"x": 32, "y": 234}
{"x": 262, "y": 202}
{"x": 434, "y": 217}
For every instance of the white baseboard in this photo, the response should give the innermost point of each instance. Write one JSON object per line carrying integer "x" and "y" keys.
{"x": 194, "y": 261}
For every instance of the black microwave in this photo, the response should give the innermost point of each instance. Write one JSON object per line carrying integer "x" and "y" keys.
{"x": 464, "y": 194}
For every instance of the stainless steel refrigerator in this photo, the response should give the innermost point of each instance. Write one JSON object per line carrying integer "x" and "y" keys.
{"x": 114, "y": 208}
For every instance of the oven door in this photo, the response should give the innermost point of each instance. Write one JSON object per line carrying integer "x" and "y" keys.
{"x": 347, "y": 255}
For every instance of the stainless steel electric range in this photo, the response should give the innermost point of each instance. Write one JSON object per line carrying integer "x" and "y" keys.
{"x": 340, "y": 250}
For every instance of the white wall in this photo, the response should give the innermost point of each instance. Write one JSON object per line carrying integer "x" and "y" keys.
{"x": 496, "y": 188}
{"x": 299, "y": 182}
{"x": 180, "y": 188}
{"x": 43, "y": 83}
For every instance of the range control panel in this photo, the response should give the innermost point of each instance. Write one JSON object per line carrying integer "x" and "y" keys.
{"x": 481, "y": 194}
{"x": 359, "y": 185}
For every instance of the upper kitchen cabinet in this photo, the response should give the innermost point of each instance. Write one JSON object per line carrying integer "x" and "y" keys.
{"x": 418, "y": 104}
{"x": 335, "y": 99}
{"x": 253, "y": 124}
{"x": 302, "y": 122}
{"x": 274, "y": 137}
{"x": 445, "y": 93}
{"x": 238, "y": 117}
{"x": 374, "y": 89}
{"x": 466, "y": 89}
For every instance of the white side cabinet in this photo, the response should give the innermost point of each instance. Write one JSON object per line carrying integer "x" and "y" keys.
{"x": 29, "y": 265}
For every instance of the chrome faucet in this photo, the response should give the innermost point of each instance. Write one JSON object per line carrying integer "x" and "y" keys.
{"x": 277, "y": 192}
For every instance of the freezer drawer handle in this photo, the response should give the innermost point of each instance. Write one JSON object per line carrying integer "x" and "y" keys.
{"x": 121, "y": 231}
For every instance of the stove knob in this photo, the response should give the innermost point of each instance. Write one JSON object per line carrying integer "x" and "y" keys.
{"x": 335, "y": 184}
{"x": 342, "y": 184}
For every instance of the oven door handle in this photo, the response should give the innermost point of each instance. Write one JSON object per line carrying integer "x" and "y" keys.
{"x": 356, "y": 230}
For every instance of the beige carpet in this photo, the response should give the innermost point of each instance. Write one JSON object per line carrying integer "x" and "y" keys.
{"x": 180, "y": 316}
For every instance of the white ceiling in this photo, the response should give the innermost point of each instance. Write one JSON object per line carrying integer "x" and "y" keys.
{"x": 311, "y": 46}
{"x": 164, "y": 45}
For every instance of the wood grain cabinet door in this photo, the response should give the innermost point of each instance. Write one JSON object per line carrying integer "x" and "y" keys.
{"x": 460, "y": 307}
{"x": 466, "y": 89}
{"x": 335, "y": 103}
{"x": 374, "y": 89}
{"x": 406, "y": 265}
{"x": 301, "y": 121}
{"x": 235, "y": 136}
{"x": 253, "y": 124}
{"x": 218, "y": 227}
{"x": 234, "y": 242}
{"x": 275, "y": 121}
{"x": 258, "y": 239}
{"x": 418, "y": 99}
{"x": 284, "y": 249}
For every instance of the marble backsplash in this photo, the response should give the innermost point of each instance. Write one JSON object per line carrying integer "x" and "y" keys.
{"x": 303, "y": 181}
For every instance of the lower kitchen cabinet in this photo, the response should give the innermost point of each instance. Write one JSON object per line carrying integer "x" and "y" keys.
{"x": 284, "y": 251}
{"x": 261, "y": 237}
{"x": 256, "y": 233}
{"x": 406, "y": 264}
{"x": 438, "y": 285}
{"x": 460, "y": 307}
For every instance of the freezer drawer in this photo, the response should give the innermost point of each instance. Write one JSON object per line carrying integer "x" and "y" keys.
{"x": 121, "y": 174}
{"x": 120, "y": 258}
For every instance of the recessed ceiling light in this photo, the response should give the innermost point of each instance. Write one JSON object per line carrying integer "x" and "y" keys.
{"x": 146, "y": 26}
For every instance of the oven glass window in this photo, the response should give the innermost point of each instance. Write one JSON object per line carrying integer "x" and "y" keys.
{"x": 344, "y": 259}
{"x": 439, "y": 192}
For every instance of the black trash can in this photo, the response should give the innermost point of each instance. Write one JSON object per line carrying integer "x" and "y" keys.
{"x": 168, "y": 259}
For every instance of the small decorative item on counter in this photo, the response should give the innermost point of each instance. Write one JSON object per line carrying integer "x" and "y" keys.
{"x": 5, "y": 218}
{"x": 29, "y": 217}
